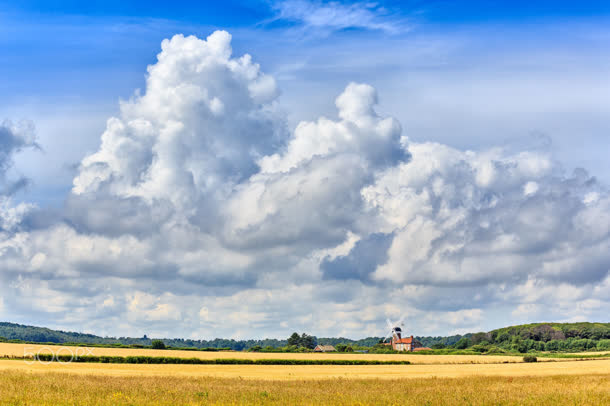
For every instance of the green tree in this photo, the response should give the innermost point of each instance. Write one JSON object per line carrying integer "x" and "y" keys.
{"x": 480, "y": 338}
{"x": 294, "y": 339}
{"x": 308, "y": 341}
{"x": 158, "y": 345}
{"x": 462, "y": 344}
{"x": 603, "y": 345}
{"x": 552, "y": 345}
{"x": 502, "y": 337}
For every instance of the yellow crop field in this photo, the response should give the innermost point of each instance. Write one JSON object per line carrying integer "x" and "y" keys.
{"x": 18, "y": 350}
{"x": 447, "y": 380}
{"x": 595, "y": 353}
{"x": 55, "y": 388}
{"x": 309, "y": 372}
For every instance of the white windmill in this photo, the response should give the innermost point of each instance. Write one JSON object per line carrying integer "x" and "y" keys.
{"x": 395, "y": 333}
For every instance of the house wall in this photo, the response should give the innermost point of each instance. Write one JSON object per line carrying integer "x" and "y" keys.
{"x": 400, "y": 347}
{"x": 404, "y": 347}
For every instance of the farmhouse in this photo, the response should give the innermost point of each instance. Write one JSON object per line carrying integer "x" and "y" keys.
{"x": 404, "y": 344}
{"x": 324, "y": 348}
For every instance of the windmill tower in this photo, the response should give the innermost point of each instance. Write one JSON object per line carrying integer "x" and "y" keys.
{"x": 399, "y": 343}
{"x": 395, "y": 334}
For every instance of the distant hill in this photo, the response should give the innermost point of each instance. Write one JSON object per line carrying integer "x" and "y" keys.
{"x": 538, "y": 336}
{"x": 13, "y": 331}
{"x": 544, "y": 337}
{"x": 546, "y": 332}
{"x": 555, "y": 331}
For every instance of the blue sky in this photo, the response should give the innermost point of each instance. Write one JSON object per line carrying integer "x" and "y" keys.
{"x": 87, "y": 55}
{"x": 505, "y": 81}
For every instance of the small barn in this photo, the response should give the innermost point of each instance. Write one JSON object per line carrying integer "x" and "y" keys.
{"x": 324, "y": 348}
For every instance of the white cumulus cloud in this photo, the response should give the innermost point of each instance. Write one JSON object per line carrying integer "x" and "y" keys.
{"x": 200, "y": 211}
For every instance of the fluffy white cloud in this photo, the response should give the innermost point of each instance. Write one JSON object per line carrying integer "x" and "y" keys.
{"x": 462, "y": 217}
{"x": 308, "y": 194}
{"x": 202, "y": 123}
{"x": 13, "y": 139}
{"x": 201, "y": 215}
{"x": 360, "y": 132}
{"x": 142, "y": 306}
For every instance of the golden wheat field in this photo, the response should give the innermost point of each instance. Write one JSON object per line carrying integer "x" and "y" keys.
{"x": 55, "y": 388}
{"x": 312, "y": 372}
{"x": 431, "y": 380}
{"x": 19, "y": 350}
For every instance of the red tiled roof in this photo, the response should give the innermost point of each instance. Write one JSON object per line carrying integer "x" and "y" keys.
{"x": 324, "y": 348}
{"x": 408, "y": 340}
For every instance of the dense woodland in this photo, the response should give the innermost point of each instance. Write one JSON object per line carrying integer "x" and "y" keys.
{"x": 543, "y": 337}
{"x": 523, "y": 338}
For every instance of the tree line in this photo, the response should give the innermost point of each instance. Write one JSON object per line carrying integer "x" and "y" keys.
{"x": 522, "y": 338}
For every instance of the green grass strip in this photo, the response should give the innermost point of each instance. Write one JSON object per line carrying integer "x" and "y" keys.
{"x": 560, "y": 355}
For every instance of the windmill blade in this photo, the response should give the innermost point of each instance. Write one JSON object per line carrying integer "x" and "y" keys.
{"x": 390, "y": 327}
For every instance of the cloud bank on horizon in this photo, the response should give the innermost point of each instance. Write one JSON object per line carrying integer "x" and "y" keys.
{"x": 201, "y": 215}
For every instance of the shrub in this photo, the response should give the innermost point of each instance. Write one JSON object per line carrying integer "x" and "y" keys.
{"x": 480, "y": 348}
{"x": 341, "y": 347}
{"x": 158, "y": 345}
{"x": 603, "y": 345}
{"x": 218, "y": 361}
{"x": 530, "y": 358}
{"x": 553, "y": 345}
{"x": 519, "y": 347}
